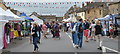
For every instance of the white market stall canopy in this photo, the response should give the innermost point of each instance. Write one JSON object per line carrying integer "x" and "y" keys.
{"x": 36, "y": 19}
{"x": 2, "y": 12}
{"x": 8, "y": 15}
{"x": 108, "y": 17}
{"x": 2, "y": 23}
{"x": 64, "y": 20}
{"x": 12, "y": 14}
{"x": 72, "y": 19}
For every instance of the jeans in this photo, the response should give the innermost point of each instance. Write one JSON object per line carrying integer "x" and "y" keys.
{"x": 74, "y": 37}
{"x": 80, "y": 39}
{"x": 35, "y": 39}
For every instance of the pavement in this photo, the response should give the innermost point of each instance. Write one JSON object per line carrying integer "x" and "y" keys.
{"x": 50, "y": 45}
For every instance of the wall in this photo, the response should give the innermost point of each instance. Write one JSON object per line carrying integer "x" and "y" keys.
{"x": 81, "y": 15}
{"x": 3, "y": 7}
{"x": 49, "y": 18}
{"x": 114, "y": 8}
{"x": 59, "y": 18}
{"x": 93, "y": 13}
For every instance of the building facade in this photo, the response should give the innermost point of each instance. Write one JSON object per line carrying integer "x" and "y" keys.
{"x": 47, "y": 18}
{"x": 59, "y": 18}
{"x": 114, "y": 8}
{"x": 96, "y": 10}
{"x": 81, "y": 15}
{"x": 3, "y": 6}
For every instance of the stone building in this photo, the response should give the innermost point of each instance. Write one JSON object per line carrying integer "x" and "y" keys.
{"x": 16, "y": 12}
{"x": 95, "y": 10}
{"x": 59, "y": 18}
{"x": 73, "y": 12}
{"x": 70, "y": 11}
{"x": 114, "y": 8}
{"x": 81, "y": 13}
{"x": 47, "y": 17}
{"x": 3, "y": 6}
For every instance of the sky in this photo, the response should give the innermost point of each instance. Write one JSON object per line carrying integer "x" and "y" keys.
{"x": 46, "y": 0}
{"x": 54, "y": 11}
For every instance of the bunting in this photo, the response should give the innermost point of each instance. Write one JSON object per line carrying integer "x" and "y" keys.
{"x": 33, "y": 3}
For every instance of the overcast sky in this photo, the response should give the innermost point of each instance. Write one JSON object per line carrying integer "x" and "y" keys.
{"x": 57, "y": 12}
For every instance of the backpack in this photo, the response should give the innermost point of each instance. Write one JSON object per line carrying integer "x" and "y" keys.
{"x": 79, "y": 27}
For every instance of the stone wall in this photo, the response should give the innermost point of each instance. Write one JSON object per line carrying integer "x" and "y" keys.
{"x": 114, "y": 8}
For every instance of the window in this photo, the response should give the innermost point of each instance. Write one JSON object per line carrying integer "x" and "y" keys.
{"x": 113, "y": 10}
{"x": 100, "y": 12}
{"x": 88, "y": 11}
{"x": 94, "y": 12}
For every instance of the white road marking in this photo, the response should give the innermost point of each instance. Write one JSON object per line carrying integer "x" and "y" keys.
{"x": 70, "y": 39}
{"x": 104, "y": 49}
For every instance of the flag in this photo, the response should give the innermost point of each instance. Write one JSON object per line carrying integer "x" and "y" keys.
{"x": 60, "y": 3}
{"x": 48, "y": 3}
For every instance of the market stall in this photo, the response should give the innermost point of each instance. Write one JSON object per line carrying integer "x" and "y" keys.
{"x": 109, "y": 19}
{"x": 8, "y": 28}
{"x": 26, "y": 24}
{"x": 2, "y": 37}
{"x": 37, "y": 20}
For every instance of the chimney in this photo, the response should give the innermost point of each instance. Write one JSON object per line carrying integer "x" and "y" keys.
{"x": 75, "y": 7}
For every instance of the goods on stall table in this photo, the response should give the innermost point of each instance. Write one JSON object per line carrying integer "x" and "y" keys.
{"x": 16, "y": 34}
{"x": 24, "y": 32}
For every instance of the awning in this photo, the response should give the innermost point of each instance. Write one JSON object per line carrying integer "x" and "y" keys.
{"x": 36, "y": 19}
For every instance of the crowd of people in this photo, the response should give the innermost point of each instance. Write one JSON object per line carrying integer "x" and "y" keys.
{"x": 91, "y": 30}
{"x": 46, "y": 29}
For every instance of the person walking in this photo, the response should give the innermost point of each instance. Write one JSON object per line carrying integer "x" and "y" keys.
{"x": 98, "y": 31}
{"x": 53, "y": 29}
{"x": 79, "y": 29}
{"x": 48, "y": 27}
{"x": 68, "y": 26}
{"x": 74, "y": 34}
{"x": 19, "y": 31}
{"x": 92, "y": 31}
{"x": 86, "y": 30}
{"x": 35, "y": 37}
{"x": 57, "y": 31}
{"x": 39, "y": 33}
{"x": 30, "y": 30}
{"x": 111, "y": 31}
{"x": 65, "y": 26}
{"x": 44, "y": 29}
